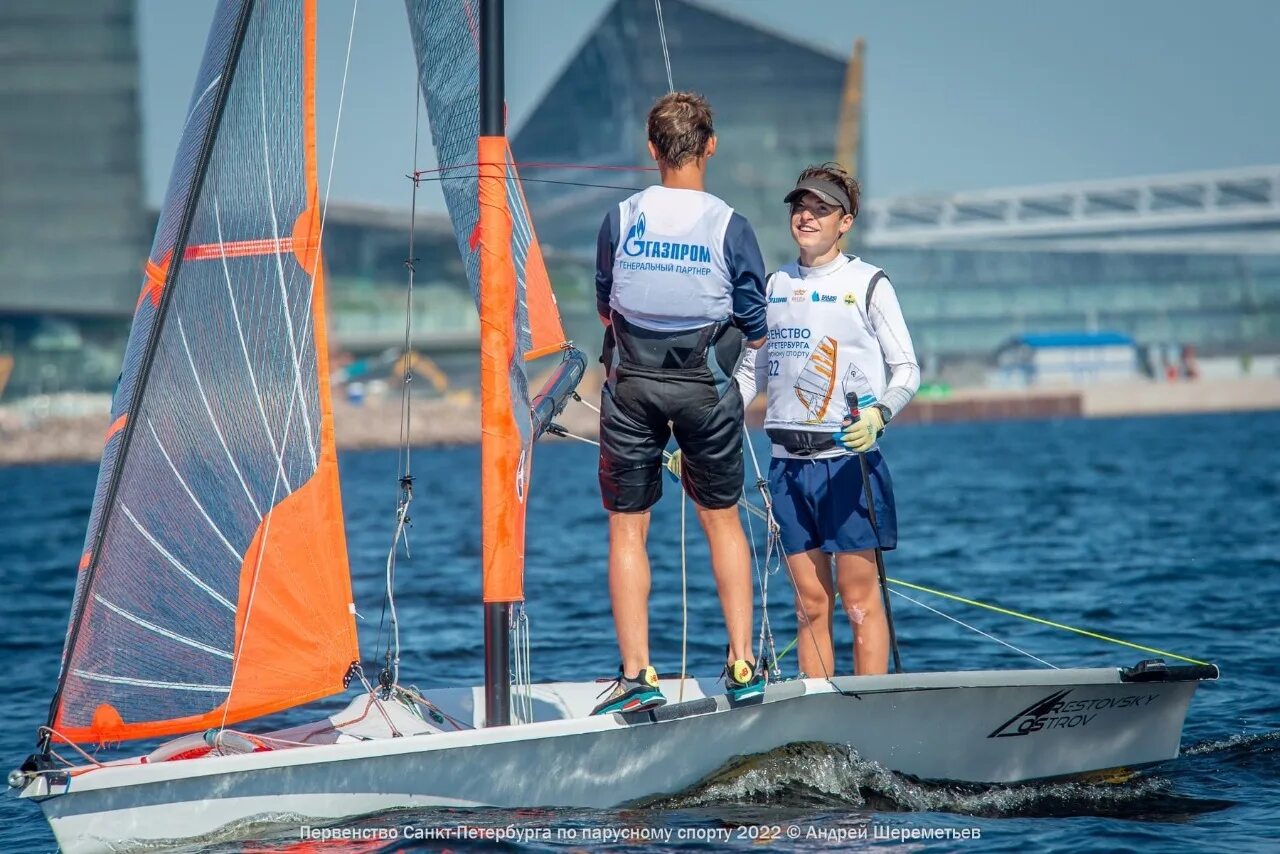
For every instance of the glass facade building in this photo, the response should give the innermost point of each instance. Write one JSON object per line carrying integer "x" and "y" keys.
{"x": 72, "y": 228}
{"x": 965, "y": 303}
{"x": 775, "y": 104}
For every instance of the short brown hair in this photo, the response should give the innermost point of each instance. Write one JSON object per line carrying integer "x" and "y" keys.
{"x": 833, "y": 172}
{"x": 680, "y": 127}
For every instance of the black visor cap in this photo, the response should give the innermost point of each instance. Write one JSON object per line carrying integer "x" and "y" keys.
{"x": 829, "y": 191}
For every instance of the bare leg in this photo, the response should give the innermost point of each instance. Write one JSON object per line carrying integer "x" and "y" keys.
{"x": 731, "y": 563}
{"x": 815, "y": 599}
{"x": 859, "y": 584}
{"x": 629, "y": 587}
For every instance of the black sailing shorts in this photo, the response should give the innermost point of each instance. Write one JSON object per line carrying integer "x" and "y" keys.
{"x": 642, "y": 405}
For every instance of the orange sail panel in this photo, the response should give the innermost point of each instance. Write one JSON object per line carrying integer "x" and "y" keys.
{"x": 504, "y": 445}
{"x": 215, "y": 586}
{"x": 505, "y": 268}
{"x": 546, "y": 330}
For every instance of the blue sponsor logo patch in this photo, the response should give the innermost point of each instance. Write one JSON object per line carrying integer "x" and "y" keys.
{"x": 636, "y": 246}
{"x": 817, "y": 297}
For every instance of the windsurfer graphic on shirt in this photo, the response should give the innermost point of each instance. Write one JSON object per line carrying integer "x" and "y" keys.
{"x": 817, "y": 380}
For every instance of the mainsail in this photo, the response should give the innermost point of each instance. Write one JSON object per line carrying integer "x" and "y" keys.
{"x": 518, "y": 315}
{"x": 214, "y": 584}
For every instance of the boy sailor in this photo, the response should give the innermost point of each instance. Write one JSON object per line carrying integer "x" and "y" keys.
{"x": 679, "y": 286}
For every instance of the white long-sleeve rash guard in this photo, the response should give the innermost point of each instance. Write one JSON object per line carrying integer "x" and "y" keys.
{"x": 817, "y": 310}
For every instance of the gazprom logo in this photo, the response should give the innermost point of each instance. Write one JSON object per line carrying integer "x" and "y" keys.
{"x": 637, "y": 247}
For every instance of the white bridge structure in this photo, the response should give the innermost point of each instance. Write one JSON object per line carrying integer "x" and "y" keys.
{"x": 1235, "y": 210}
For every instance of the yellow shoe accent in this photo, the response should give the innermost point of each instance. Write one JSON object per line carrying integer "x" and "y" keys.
{"x": 649, "y": 676}
{"x": 742, "y": 672}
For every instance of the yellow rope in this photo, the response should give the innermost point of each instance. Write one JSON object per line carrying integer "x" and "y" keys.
{"x": 1041, "y": 621}
{"x": 1022, "y": 616}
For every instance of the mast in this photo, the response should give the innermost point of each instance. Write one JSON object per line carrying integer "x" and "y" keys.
{"x": 497, "y": 615}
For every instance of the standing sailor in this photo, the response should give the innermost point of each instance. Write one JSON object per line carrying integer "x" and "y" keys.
{"x": 679, "y": 286}
{"x": 834, "y": 328}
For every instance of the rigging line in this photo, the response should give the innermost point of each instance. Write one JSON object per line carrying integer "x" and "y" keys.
{"x": 666, "y": 55}
{"x": 522, "y": 670}
{"x": 404, "y": 454}
{"x": 393, "y": 640}
{"x": 236, "y": 554}
{"x": 684, "y": 595}
{"x": 958, "y": 622}
{"x": 771, "y": 537}
{"x": 377, "y": 702}
{"x": 69, "y": 742}
{"x": 333, "y": 157}
{"x": 973, "y": 629}
{"x": 808, "y": 627}
{"x": 588, "y": 404}
{"x": 538, "y": 181}
{"x": 244, "y": 349}
{"x": 1044, "y": 622}
{"x": 333, "y": 151}
{"x": 275, "y": 232}
{"x": 534, "y": 165}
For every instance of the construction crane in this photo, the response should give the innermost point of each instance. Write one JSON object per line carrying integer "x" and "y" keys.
{"x": 6, "y": 368}
{"x": 849, "y": 130}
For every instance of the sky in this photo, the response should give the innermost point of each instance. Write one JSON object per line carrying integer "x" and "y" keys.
{"x": 959, "y": 94}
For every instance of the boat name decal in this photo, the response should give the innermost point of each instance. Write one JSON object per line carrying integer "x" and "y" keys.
{"x": 1056, "y": 712}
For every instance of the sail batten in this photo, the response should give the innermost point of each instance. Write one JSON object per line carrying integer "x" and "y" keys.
{"x": 216, "y": 586}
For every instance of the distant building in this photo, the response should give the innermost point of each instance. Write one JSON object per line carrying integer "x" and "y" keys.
{"x": 776, "y": 103}
{"x": 72, "y": 228}
{"x": 962, "y": 304}
{"x": 965, "y": 285}
{"x": 1067, "y": 359}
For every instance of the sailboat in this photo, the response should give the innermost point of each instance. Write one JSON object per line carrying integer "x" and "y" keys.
{"x": 214, "y": 586}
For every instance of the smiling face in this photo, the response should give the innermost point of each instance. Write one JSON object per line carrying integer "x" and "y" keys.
{"x": 817, "y": 227}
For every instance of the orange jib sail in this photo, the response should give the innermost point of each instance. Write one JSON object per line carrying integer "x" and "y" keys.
{"x": 215, "y": 585}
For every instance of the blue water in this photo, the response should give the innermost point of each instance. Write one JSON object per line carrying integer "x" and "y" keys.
{"x": 1163, "y": 531}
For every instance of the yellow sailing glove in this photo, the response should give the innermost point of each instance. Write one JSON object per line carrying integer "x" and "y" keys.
{"x": 674, "y": 463}
{"x": 861, "y": 435}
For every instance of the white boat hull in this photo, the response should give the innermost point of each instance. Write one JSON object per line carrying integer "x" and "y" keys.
{"x": 980, "y": 727}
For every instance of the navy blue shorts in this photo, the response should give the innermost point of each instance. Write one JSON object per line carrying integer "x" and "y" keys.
{"x": 822, "y": 504}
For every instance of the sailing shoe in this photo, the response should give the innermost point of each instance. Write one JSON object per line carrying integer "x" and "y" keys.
{"x": 632, "y": 695}
{"x": 743, "y": 681}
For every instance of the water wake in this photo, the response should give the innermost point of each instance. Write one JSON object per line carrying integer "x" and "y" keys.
{"x": 811, "y": 775}
{"x": 1236, "y": 745}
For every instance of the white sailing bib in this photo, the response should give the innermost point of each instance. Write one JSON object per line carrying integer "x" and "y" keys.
{"x": 669, "y": 271}
{"x": 821, "y": 345}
